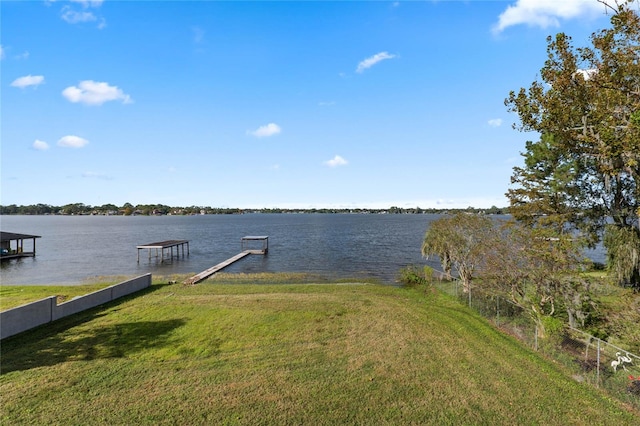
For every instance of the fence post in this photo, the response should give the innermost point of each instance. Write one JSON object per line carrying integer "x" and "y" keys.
{"x": 598, "y": 365}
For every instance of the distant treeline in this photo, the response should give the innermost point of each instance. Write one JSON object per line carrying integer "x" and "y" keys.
{"x": 160, "y": 209}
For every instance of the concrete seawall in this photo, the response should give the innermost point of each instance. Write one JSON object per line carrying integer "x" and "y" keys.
{"x": 31, "y": 315}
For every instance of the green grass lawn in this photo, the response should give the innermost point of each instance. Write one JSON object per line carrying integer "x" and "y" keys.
{"x": 14, "y": 295}
{"x": 330, "y": 354}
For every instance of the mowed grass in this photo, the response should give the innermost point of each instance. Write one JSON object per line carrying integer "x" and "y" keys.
{"x": 15, "y": 295}
{"x": 287, "y": 354}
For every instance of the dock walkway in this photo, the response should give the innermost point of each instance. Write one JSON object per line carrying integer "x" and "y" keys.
{"x": 208, "y": 272}
{"x": 220, "y": 266}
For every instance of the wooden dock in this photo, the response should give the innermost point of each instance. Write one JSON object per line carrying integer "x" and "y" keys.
{"x": 12, "y": 245}
{"x": 220, "y": 266}
{"x": 161, "y": 246}
{"x": 246, "y": 242}
{"x": 208, "y": 272}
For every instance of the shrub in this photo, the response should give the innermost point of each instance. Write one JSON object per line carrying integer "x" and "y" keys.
{"x": 552, "y": 326}
{"x": 412, "y": 276}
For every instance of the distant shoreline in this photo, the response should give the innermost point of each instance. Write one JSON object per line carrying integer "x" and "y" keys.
{"x": 80, "y": 209}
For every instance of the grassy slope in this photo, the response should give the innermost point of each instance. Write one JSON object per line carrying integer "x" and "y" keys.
{"x": 289, "y": 354}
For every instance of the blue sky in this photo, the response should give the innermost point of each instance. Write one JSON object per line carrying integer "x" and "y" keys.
{"x": 293, "y": 104}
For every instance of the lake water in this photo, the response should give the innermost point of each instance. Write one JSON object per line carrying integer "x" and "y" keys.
{"x": 75, "y": 248}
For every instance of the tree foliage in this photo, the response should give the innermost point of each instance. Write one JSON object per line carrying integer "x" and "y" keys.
{"x": 530, "y": 266}
{"x": 459, "y": 241}
{"x": 549, "y": 190}
{"x": 584, "y": 170}
{"x": 436, "y": 243}
{"x": 537, "y": 272}
{"x": 623, "y": 255}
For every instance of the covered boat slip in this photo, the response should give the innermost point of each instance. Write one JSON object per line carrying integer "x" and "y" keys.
{"x": 161, "y": 246}
{"x": 247, "y": 242}
{"x": 12, "y": 245}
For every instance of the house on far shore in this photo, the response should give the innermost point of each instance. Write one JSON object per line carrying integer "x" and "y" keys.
{"x": 12, "y": 245}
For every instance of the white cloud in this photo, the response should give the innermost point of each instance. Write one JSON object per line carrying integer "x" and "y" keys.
{"x": 1, "y": 52}
{"x": 266, "y": 131}
{"x": 545, "y": 13}
{"x": 495, "y": 122}
{"x": 40, "y": 145}
{"x": 88, "y": 3}
{"x": 74, "y": 17}
{"x": 72, "y": 141}
{"x": 336, "y": 161}
{"x": 587, "y": 74}
{"x": 28, "y": 80}
{"x": 91, "y": 92}
{"x": 24, "y": 55}
{"x": 372, "y": 60}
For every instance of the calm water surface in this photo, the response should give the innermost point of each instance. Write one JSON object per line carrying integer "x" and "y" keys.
{"x": 76, "y": 248}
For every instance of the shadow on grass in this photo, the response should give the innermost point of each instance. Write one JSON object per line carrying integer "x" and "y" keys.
{"x": 51, "y": 344}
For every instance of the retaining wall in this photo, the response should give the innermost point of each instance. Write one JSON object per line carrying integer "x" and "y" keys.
{"x": 31, "y": 315}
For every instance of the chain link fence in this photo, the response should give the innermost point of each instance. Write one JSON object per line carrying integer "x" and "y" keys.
{"x": 588, "y": 359}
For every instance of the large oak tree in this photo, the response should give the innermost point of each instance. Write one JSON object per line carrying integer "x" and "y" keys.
{"x": 584, "y": 170}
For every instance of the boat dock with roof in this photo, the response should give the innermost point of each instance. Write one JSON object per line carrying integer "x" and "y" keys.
{"x": 161, "y": 246}
{"x": 12, "y": 245}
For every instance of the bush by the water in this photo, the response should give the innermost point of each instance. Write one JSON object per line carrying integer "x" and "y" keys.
{"x": 413, "y": 275}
